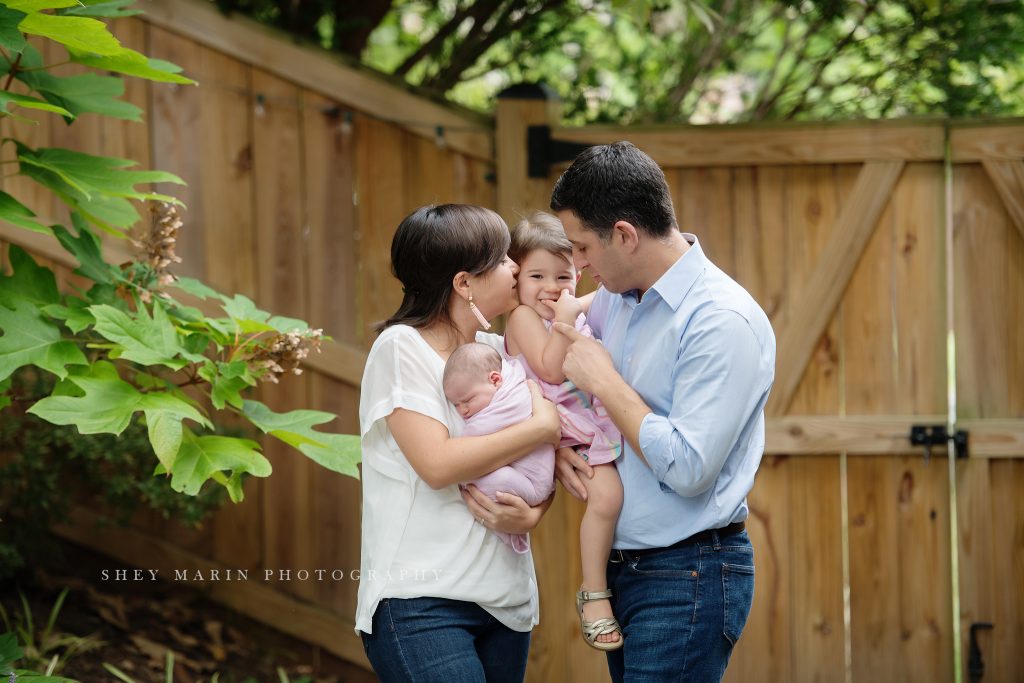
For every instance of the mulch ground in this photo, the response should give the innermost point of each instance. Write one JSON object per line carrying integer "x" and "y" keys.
{"x": 131, "y": 626}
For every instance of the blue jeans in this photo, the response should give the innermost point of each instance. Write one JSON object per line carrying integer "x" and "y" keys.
{"x": 423, "y": 640}
{"x": 681, "y": 610}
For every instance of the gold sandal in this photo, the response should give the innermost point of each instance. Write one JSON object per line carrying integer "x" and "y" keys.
{"x": 593, "y": 629}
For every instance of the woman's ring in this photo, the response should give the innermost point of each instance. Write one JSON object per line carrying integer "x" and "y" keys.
{"x": 480, "y": 521}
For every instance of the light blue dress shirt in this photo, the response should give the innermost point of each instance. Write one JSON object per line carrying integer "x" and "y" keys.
{"x": 701, "y": 353}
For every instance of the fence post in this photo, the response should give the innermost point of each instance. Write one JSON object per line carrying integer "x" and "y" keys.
{"x": 519, "y": 107}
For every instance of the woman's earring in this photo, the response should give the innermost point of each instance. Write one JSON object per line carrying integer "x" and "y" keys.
{"x": 479, "y": 316}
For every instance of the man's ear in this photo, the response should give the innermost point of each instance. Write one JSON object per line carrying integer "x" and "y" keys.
{"x": 495, "y": 378}
{"x": 626, "y": 235}
{"x": 460, "y": 285}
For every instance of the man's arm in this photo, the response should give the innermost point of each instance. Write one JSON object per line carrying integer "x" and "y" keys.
{"x": 716, "y": 387}
{"x": 590, "y": 368}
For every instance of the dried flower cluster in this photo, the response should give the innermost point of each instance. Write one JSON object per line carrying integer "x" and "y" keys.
{"x": 283, "y": 353}
{"x": 157, "y": 247}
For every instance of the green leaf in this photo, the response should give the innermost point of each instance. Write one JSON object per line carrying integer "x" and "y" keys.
{"x": 75, "y": 315}
{"x": 103, "y": 8}
{"x": 5, "y": 400}
{"x": 10, "y": 37}
{"x": 88, "y": 174}
{"x": 9, "y": 652}
{"x": 87, "y": 249}
{"x": 132, "y": 63}
{"x": 98, "y": 187}
{"x": 165, "y": 434}
{"x": 196, "y": 288}
{"x": 227, "y": 381}
{"x": 143, "y": 339}
{"x": 84, "y": 93}
{"x": 108, "y": 403}
{"x": 13, "y": 211}
{"x": 9, "y": 98}
{"x": 241, "y": 308}
{"x": 30, "y": 6}
{"x": 283, "y": 324}
{"x": 29, "y": 282}
{"x": 199, "y": 457}
{"x": 75, "y": 33}
{"x": 336, "y": 452}
{"x": 29, "y": 339}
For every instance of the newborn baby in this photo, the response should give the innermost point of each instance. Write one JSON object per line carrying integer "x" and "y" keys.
{"x": 491, "y": 394}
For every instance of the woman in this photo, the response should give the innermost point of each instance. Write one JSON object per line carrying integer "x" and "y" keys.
{"x": 440, "y": 597}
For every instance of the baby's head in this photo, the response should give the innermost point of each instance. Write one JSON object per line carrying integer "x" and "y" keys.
{"x": 544, "y": 255}
{"x": 472, "y": 376}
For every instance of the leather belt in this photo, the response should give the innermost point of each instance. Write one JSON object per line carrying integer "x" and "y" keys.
{"x": 706, "y": 536}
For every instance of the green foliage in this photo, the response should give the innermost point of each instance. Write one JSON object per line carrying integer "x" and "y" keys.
{"x": 131, "y": 358}
{"x": 39, "y": 647}
{"x": 699, "y": 61}
{"x": 48, "y": 469}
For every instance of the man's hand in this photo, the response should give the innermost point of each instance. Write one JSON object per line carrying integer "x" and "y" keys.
{"x": 569, "y": 468}
{"x": 510, "y": 514}
{"x": 586, "y": 362}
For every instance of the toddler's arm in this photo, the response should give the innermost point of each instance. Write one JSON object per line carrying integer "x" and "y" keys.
{"x": 543, "y": 349}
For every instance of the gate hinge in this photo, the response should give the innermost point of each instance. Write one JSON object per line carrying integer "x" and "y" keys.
{"x": 542, "y": 151}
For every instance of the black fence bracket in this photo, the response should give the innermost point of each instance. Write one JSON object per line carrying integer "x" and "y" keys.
{"x": 543, "y": 152}
{"x": 975, "y": 664}
{"x": 938, "y": 435}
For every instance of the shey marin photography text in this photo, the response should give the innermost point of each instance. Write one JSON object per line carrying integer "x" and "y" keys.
{"x": 267, "y": 575}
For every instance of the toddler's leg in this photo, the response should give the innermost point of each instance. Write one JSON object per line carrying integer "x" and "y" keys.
{"x": 604, "y": 500}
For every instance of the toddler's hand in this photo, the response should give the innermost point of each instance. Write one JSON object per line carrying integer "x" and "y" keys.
{"x": 567, "y": 308}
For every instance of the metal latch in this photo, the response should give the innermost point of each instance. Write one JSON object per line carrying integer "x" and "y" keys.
{"x": 938, "y": 435}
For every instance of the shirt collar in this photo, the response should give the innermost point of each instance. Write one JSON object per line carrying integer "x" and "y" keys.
{"x": 675, "y": 282}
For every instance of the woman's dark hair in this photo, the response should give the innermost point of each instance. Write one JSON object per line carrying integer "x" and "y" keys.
{"x": 617, "y": 182}
{"x": 431, "y": 245}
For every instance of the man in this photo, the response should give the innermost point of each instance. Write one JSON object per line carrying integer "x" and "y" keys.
{"x": 685, "y": 369}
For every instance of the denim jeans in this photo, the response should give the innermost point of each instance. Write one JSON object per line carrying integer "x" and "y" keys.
{"x": 681, "y": 610}
{"x": 425, "y": 640}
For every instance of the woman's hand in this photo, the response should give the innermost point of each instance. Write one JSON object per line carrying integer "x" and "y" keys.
{"x": 545, "y": 415}
{"x": 510, "y": 514}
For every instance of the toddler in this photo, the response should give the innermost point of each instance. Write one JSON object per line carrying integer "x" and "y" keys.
{"x": 547, "y": 287}
{"x": 490, "y": 394}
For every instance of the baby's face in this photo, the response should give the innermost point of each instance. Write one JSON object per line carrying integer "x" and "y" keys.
{"x": 470, "y": 395}
{"x": 542, "y": 277}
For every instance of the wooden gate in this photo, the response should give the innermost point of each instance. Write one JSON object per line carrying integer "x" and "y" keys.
{"x": 873, "y": 266}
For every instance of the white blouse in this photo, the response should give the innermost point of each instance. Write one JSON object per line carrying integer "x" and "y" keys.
{"x": 418, "y": 542}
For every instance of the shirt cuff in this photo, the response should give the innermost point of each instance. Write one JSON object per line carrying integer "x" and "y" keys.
{"x": 655, "y": 444}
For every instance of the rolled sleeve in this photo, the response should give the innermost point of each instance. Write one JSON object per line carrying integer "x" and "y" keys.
{"x": 715, "y": 379}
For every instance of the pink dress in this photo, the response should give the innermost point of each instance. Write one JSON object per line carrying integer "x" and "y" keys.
{"x": 585, "y": 421}
{"x": 531, "y": 477}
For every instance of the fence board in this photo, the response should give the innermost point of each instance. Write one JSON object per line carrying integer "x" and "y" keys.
{"x": 381, "y": 187}
{"x": 330, "y": 218}
{"x": 980, "y": 269}
{"x": 280, "y": 241}
{"x": 765, "y": 650}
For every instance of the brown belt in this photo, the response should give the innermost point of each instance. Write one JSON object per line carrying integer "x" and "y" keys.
{"x": 707, "y": 536}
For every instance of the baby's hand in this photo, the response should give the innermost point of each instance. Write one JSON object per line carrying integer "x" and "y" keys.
{"x": 567, "y": 308}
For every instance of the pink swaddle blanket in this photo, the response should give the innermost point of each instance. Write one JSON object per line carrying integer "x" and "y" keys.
{"x": 531, "y": 477}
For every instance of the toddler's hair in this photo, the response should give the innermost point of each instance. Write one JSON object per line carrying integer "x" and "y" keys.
{"x": 539, "y": 231}
{"x": 475, "y": 360}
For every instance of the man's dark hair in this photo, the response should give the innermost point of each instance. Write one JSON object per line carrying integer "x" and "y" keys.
{"x": 616, "y": 182}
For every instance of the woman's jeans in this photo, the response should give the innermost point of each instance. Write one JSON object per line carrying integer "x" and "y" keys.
{"x": 421, "y": 640}
{"x": 681, "y": 610}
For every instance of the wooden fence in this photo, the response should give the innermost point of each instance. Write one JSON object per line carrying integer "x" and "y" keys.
{"x": 869, "y": 259}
